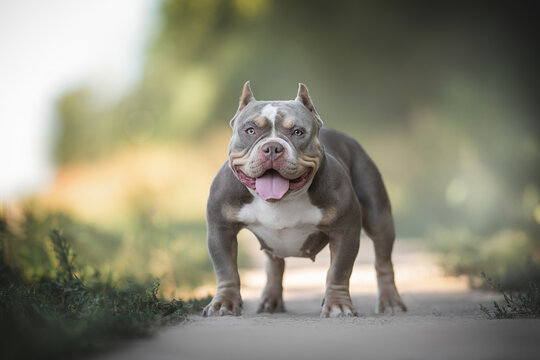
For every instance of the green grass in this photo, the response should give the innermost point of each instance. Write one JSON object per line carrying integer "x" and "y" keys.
{"x": 59, "y": 314}
{"x": 173, "y": 250}
{"x": 515, "y": 304}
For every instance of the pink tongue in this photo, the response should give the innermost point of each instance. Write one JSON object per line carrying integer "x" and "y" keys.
{"x": 271, "y": 186}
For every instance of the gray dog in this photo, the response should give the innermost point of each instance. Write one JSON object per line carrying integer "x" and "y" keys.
{"x": 297, "y": 186}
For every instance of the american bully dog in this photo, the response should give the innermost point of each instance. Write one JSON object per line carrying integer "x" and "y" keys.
{"x": 297, "y": 186}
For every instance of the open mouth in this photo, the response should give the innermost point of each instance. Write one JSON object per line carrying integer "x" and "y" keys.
{"x": 271, "y": 185}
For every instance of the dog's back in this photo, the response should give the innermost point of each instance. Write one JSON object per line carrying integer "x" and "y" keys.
{"x": 366, "y": 178}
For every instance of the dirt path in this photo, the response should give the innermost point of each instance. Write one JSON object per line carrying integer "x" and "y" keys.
{"x": 443, "y": 321}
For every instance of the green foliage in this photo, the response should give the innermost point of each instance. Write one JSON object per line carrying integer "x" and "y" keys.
{"x": 521, "y": 304}
{"x": 90, "y": 131}
{"x": 51, "y": 318}
{"x": 511, "y": 256}
{"x": 446, "y": 112}
{"x": 174, "y": 251}
{"x": 29, "y": 247}
{"x": 65, "y": 257}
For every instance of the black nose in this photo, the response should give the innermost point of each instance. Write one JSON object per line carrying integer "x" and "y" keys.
{"x": 272, "y": 150}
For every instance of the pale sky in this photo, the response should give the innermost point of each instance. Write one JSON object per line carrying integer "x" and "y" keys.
{"x": 47, "y": 48}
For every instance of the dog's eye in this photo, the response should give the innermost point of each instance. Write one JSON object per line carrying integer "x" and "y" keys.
{"x": 250, "y": 131}
{"x": 298, "y": 132}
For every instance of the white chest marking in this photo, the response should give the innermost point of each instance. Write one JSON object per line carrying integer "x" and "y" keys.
{"x": 284, "y": 225}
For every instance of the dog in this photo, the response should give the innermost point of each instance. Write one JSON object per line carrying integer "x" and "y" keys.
{"x": 297, "y": 186}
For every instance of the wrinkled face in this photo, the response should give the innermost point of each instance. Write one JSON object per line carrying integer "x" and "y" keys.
{"x": 275, "y": 148}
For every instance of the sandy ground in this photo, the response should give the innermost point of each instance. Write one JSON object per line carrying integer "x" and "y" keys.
{"x": 443, "y": 321}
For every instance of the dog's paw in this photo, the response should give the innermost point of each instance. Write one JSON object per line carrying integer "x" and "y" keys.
{"x": 271, "y": 304}
{"x": 338, "y": 310}
{"x": 389, "y": 300}
{"x": 222, "y": 305}
{"x": 338, "y": 306}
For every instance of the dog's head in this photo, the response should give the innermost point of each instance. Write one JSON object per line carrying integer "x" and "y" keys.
{"x": 275, "y": 149}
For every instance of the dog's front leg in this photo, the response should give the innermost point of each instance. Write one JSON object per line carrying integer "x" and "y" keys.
{"x": 223, "y": 247}
{"x": 344, "y": 247}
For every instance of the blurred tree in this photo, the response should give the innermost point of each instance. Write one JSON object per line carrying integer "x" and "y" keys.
{"x": 442, "y": 94}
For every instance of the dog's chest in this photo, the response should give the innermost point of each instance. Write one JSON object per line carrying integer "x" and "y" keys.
{"x": 283, "y": 225}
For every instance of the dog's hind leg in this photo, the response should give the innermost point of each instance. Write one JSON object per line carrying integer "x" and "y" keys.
{"x": 378, "y": 223}
{"x": 380, "y": 228}
{"x": 272, "y": 297}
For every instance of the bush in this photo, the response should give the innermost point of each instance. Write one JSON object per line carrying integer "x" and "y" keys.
{"x": 510, "y": 256}
{"x": 174, "y": 251}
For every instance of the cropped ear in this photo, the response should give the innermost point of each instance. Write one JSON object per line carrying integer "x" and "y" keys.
{"x": 245, "y": 98}
{"x": 303, "y": 97}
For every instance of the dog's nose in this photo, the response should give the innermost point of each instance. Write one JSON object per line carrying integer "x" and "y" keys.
{"x": 272, "y": 150}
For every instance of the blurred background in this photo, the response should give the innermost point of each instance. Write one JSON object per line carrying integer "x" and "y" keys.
{"x": 114, "y": 121}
